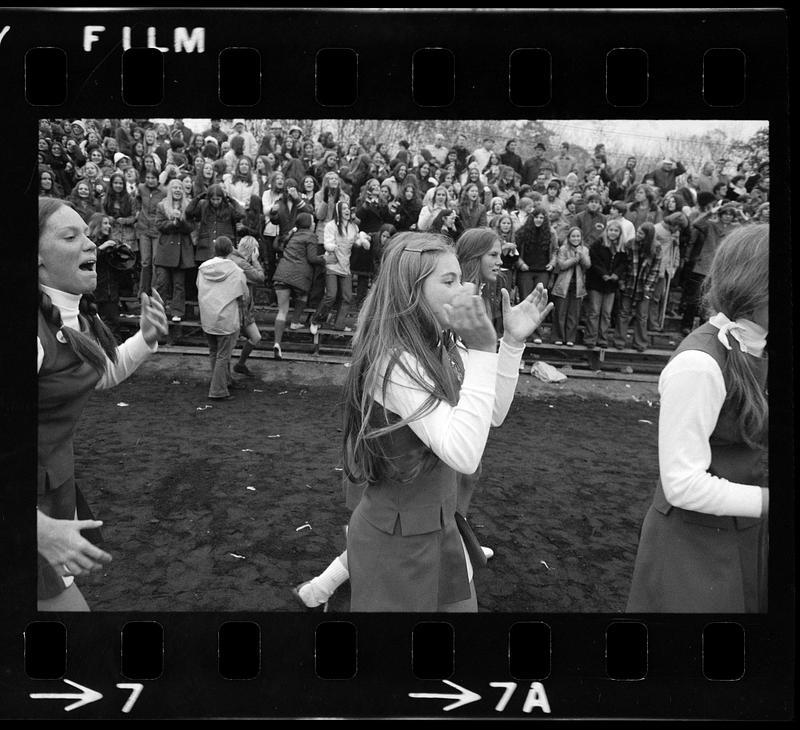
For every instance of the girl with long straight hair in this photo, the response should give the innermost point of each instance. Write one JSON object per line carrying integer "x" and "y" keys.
{"x": 703, "y": 543}
{"x": 418, "y": 407}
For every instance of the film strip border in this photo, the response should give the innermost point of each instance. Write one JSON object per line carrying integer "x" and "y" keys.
{"x": 240, "y": 78}
{"x": 374, "y": 64}
{"x": 294, "y": 665}
{"x": 238, "y": 666}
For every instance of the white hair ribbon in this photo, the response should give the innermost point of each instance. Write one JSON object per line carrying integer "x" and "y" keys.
{"x": 726, "y": 327}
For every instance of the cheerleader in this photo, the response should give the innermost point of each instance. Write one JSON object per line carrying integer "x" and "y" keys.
{"x": 76, "y": 355}
{"x": 703, "y": 543}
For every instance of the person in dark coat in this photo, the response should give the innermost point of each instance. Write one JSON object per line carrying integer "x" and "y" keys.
{"x": 173, "y": 255}
{"x": 511, "y": 158}
{"x": 217, "y": 214}
{"x": 294, "y": 274}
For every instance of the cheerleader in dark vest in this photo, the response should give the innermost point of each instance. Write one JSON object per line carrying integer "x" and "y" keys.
{"x": 76, "y": 355}
{"x": 703, "y": 545}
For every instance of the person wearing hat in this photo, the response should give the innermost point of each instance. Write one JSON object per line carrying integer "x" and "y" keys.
{"x": 215, "y": 133}
{"x": 221, "y": 288}
{"x": 534, "y": 165}
{"x": 714, "y": 222}
{"x": 293, "y": 148}
{"x": 121, "y": 161}
{"x": 250, "y": 148}
{"x": 664, "y": 176}
{"x": 78, "y": 131}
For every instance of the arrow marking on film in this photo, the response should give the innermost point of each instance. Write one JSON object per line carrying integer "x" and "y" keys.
{"x": 464, "y": 698}
{"x": 84, "y": 698}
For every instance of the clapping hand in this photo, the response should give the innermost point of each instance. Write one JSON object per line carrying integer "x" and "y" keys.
{"x": 467, "y": 317}
{"x": 153, "y": 320}
{"x": 520, "y": 321}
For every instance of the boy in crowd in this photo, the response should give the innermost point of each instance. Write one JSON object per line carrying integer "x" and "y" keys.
{"x": 221, "y": 285}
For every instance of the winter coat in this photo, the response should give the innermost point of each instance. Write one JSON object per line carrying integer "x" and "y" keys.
{"x": 571, "y": 261}
{"x": 472, "y": 216}
{"x": 174, "y": 248}
{"x": 295, "y": 267}
{"x": 605, "y": 262}
{"x": 286, "y": 216}
{"x": 338, "y": 248}
{"x": 149, "y": 198}
{"x": 641, "y": 276}
{"x": 592, "y": 226}
{"x": 214, "y": 222}
{"x": 220, "y": 286}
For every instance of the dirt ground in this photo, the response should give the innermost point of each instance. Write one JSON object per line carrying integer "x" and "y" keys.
{"x": 226, "y": 506}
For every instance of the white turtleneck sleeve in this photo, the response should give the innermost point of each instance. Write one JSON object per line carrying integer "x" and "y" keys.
{"x": 457, "y": 434}
{"x": 692, "y": 391}
{"x": 130, "y": 354}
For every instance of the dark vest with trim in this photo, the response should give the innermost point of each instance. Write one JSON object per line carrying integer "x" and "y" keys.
{"x": 731, "y": 457}
{"x": 65, "y": 383}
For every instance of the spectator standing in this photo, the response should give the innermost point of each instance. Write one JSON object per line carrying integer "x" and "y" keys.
{"x": 250, "y": 145}
{"x": 150, "y": 195}
{"x": 471, "y": 211}
{"x": 174, "y": 254}
{"x": 665, "y": 175}
{"x": 564, "y": 163}
{"x": 511, "y": 158}
{"x": 217, "y": 215}
{"x": 708, "y": 230}
{"x": 245, "y": 256}
{"x": 341, "y": 236}
{"x": 221, "y": 285}
{"x": 591, "y": 221}
{"x": 636, "y": 290}
{"x": 609, "y": 260}
{"x": 572, "y": 262}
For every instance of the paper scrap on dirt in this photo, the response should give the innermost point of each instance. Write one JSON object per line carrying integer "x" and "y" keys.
{"x": 545, "y": 564}
{"x": 176, "y": 382}
{"x": 251, "y": 489}
{"x": 274, "y": 436}
{"x": 302, "y": 527}
{"x": 283, "y": 392}
{"x": 238, "y": 557}
{"x": 122, "y": 405}
{"x": 203, "y": 408}
{"x": 250, "y": 450}
{"x": 644, "y": 420}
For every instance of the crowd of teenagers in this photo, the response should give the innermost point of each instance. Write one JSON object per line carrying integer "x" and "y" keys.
{"x": 449, "y": 304}
{"x": 308, "y": 219}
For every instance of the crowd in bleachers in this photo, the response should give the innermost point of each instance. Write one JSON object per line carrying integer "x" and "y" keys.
{"x": 313, "y": 215}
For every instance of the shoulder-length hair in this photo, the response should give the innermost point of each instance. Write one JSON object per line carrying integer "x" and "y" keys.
{"x": 397, "y": 328}
{"x": 646, "y": 245}
{"x": 471, "y": 246}
{"x": 738, "y": 284}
